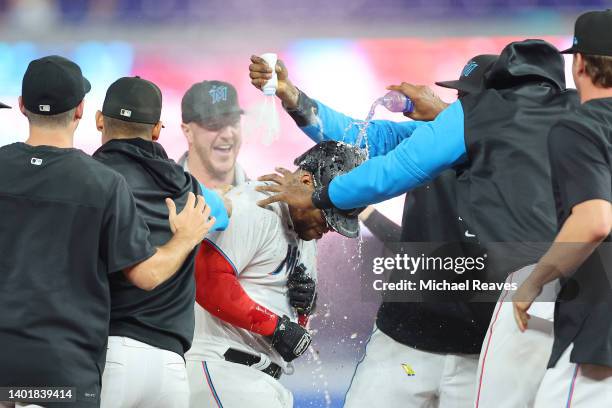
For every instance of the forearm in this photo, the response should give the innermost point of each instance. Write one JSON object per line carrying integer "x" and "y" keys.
{"x": 320, "y": 123}
{"x": 162, "y": 266}
{"x": 431, "y": 149}
{"x": 223, "y": 297}
{"x": 573, "y": 245}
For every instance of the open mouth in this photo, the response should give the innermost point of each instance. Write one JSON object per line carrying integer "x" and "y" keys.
{"x": 224, "y": 148}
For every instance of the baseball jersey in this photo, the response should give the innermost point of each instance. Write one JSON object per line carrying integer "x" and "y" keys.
{"x": 581, "y": 163}
{"x": 262, "y": 249}
{"x": 68, "y": 225}
{"x": 162, "y": 317}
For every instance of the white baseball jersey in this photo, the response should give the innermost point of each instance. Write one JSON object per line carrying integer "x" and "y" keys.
{"x": 263, "y": 249}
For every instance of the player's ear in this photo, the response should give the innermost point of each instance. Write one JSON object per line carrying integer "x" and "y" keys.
{"x": 156, "y": 130}
{"x": 306, "y": 178}
{"x": 22, "y": 106}
{"x": 99, "y": 121}
{"x": 579, "y": 64}
{"x": 78, "y": 114}
{"x": 188, "y": 132}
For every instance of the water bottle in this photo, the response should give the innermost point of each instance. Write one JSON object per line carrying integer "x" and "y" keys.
{"x": 397, "y": 102}
{"x": 269, "y": 87}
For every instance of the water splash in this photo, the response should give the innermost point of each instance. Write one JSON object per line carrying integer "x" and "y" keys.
{"x": 319, "y": 376}
{"x": 263, "y": 120}
{"x": 363, "y": 127}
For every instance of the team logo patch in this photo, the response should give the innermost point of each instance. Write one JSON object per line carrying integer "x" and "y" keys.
{"x": 469, "y": 68}
{"x": 218, "y": 94}
{"x": 36, "y": 161}
{"x": 44, "y": 108}
{"x": 126, "y": 112}
{"x": 408, "y": 370}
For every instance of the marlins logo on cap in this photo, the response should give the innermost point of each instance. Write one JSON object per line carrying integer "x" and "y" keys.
{"x": 218, "y": 94}
{"x": 469, "y": 68}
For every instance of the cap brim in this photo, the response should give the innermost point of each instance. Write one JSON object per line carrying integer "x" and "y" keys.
{"x": 220, "y": 119}
{"x": 571, "y": 50}
{"x": 341, "y": 223}
{"x": 86, "y": 85}
{"x": 4, "y": 106}
{"x": 459, "y": 85}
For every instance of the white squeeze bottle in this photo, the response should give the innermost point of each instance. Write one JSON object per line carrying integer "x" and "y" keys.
{"x": 269, "y": 88}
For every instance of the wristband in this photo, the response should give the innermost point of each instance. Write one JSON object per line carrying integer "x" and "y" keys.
{"x": 320, "y": 198}
{"x": 306, "y": 111}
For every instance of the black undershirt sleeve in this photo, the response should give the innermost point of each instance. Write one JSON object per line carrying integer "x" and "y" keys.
{"x": 579, "y": 166}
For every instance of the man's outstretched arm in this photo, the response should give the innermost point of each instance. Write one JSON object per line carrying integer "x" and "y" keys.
{"x": 320, "y": 122}
{"x": 433, "y": 148}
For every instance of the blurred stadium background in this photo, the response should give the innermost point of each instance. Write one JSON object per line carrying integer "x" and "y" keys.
{"x": 342, "y": 52}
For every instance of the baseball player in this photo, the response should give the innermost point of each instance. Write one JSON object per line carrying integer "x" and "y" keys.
{"x": 422, "y": 337}
{"x": 256, "y": 286}
{"x": 211, "y": 124}
{"x": 483, "y": 133}
{"x": 498, "y": 364}
{"x": 580, "y": 367}
{"x": 69, "y": 225}
{"x": 149, "y": 330}
{"x": 430, "y": 339}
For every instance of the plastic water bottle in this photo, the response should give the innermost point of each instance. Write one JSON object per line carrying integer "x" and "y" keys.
{"x": 397, "y": 102}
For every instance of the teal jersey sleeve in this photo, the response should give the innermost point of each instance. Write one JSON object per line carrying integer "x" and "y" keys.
{"x": 432, "y": 148}
{"x": 320, "y": 123}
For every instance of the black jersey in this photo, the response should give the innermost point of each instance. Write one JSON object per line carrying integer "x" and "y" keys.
{"x": 67, "y": 224}
{"x": 164, "y": 316}
{"x": 581, "y": 162}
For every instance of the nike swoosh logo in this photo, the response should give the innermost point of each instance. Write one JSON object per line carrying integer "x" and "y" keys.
{"x": 467, "y": 234}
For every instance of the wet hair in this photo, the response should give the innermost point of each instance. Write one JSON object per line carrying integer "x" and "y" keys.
{"x": 599, "y": 69}
{"x": 120, "y": 128}
{"x": 61, "y": 120}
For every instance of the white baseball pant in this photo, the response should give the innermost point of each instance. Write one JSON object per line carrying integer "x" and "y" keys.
{"x": 575, "y": 385}
{"x": 140, "y": 375}
{"x": 393, "y": 375}
{"x": 512, "y": 364}
{"x": 221, "y": 384}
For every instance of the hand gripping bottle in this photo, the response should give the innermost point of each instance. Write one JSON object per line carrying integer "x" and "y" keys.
{"x": 269, "y": 87}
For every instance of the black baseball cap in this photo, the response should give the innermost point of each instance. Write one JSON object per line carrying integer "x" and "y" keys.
{"x": 53, "y": 85}
{"x": 325, "y": 161}
{"x": 472, "y": 75}
{"x": 133, "y": 99}
{"x": 592, "y": 34}
{"x": 213, "y": 104}
{"x": 4, "y": 106}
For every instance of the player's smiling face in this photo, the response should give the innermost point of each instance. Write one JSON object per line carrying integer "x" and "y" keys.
{"x": 218, "y": 146}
